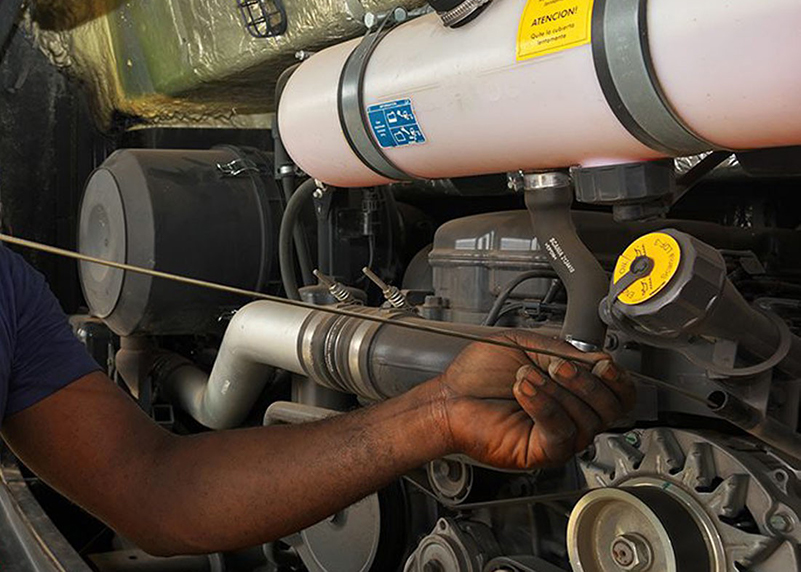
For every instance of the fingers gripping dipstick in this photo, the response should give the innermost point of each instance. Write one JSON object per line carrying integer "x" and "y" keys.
{"x": 391, "y": 293}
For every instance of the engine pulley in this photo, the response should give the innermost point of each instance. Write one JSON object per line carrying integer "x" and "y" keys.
{"x": 676, "y": 501}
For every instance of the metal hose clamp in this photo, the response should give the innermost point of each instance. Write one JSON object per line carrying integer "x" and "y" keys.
{"x": 625, "y": 70}
{"x": 352, "y": 115}
{"x": 462, "y": 12}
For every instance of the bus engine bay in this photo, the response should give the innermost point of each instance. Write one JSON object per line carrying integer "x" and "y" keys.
{"x": 619, "y": 174}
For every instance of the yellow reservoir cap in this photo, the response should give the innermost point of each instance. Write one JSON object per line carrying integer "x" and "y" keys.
{"x": 665, "y": 252}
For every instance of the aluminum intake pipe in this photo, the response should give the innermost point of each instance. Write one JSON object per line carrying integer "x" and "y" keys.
{"x": 372, "y": 360}
{"x": 261, "y": 336}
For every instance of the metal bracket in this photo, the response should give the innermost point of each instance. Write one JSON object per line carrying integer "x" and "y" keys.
{"x": 625, "y": 70}
{"x": 352, "y": 115}
{"x": 237, "y": 167}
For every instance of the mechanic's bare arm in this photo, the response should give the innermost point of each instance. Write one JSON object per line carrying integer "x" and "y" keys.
{"x": 227, "y": 490}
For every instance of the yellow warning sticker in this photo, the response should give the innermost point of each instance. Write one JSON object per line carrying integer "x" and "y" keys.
{"x": 665, "y": 252}
{"x": 550, "y": 26}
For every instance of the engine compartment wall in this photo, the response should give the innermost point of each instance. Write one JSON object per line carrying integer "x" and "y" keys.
{"x": 188, "y": 61}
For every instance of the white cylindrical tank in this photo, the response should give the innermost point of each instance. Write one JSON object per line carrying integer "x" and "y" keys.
{"x": 731, "y": 70}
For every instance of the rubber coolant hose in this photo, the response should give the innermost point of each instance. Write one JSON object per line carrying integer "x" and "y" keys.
{"x": 584, "y": 279}
{"x": 294, "y": 207}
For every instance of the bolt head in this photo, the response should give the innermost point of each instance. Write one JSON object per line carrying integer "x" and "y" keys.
{"x": 370, "y": 19}
{"x": 631, "y": 553}
{"x": 781, "y": 523}
{"x": 515, "y": 181}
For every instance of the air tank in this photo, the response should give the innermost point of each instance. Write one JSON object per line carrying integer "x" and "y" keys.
{"x": 543, "y": 84}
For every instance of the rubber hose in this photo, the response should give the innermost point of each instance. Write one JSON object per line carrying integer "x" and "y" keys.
{"x": 294, "y": 208}
{"x": 495, "y": 311}
{"x": 584, "y": 279}
{"x": 301, "y": 244}
{"x": 283, "y": 160}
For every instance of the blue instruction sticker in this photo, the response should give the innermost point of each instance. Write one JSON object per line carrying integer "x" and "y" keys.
{"x": 394, "y": 124}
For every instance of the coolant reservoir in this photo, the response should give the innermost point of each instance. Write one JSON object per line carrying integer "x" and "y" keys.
{"x": 519, "y": 88}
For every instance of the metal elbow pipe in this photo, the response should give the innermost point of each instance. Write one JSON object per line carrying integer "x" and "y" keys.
{"x": 549, "y": 197}
{"x": 373, "y": 360}
{"x": 261, "y": 336}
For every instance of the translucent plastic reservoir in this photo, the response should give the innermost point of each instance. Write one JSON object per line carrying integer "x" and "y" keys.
{"x": 730, "y": 69}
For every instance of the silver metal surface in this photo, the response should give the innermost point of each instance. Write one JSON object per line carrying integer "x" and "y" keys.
{"x": 337, "y": 290}
{"x": 344, "y": 542}
{"x": 261, "y": 336}
{"x": 533, "y": 181}
{"x": 632, "y": 552}
{"x": 391, "y": 293}
{"x": 622, "y": 49}
{"x": 463, "y": 11}
{"x": 453, "y": 547}
{"x": 102, "y": 231}
{"x": 450, "y": 479}
{"x": 714, "y": 482}
{"x": 293, "y": 413}
{"x": 601, "y": 535}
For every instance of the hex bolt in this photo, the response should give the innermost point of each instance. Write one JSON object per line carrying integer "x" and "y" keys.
{"x": 781, "y": 523}
{"x": 622, "y": 553}
{"x": 631, "y": 552}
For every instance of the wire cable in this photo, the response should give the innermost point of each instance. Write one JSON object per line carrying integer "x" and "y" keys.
{"x": 503, "y": 296}
{"x": 416, "y": 326}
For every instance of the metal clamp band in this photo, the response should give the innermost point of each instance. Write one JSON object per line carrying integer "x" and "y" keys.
{"x": 352, "y": 115}
{"x": 462, "y": 12}
{"x": 625, "y": 70}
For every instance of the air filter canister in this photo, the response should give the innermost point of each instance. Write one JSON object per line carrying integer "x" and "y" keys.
{"x": 212, "y": 215}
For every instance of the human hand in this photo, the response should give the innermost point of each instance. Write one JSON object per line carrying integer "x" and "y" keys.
{"x": 520, "y": 409}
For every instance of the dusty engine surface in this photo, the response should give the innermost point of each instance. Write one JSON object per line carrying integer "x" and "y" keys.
{"x": 450, "y": 173}
{"x": 682, "y": 484}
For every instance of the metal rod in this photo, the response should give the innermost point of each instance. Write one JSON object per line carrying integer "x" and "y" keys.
{"x": 668, "y": 386}
{"x": 375, "y": 279}
{"x": 261, "y": 296}
{"x": 750, "y": 419}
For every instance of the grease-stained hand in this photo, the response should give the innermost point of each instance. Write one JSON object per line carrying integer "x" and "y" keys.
{"x": 521, "y": 409}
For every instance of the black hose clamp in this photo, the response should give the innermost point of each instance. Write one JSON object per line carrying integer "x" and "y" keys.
{"x": 625, "y": 70}
{"x": 352, "y": 114}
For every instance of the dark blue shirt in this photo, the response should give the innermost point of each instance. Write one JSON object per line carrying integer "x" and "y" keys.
{"x": 39, "y": 354}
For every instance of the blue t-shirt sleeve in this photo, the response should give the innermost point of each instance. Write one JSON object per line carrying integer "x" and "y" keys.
{"x": 45, "y": 355}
